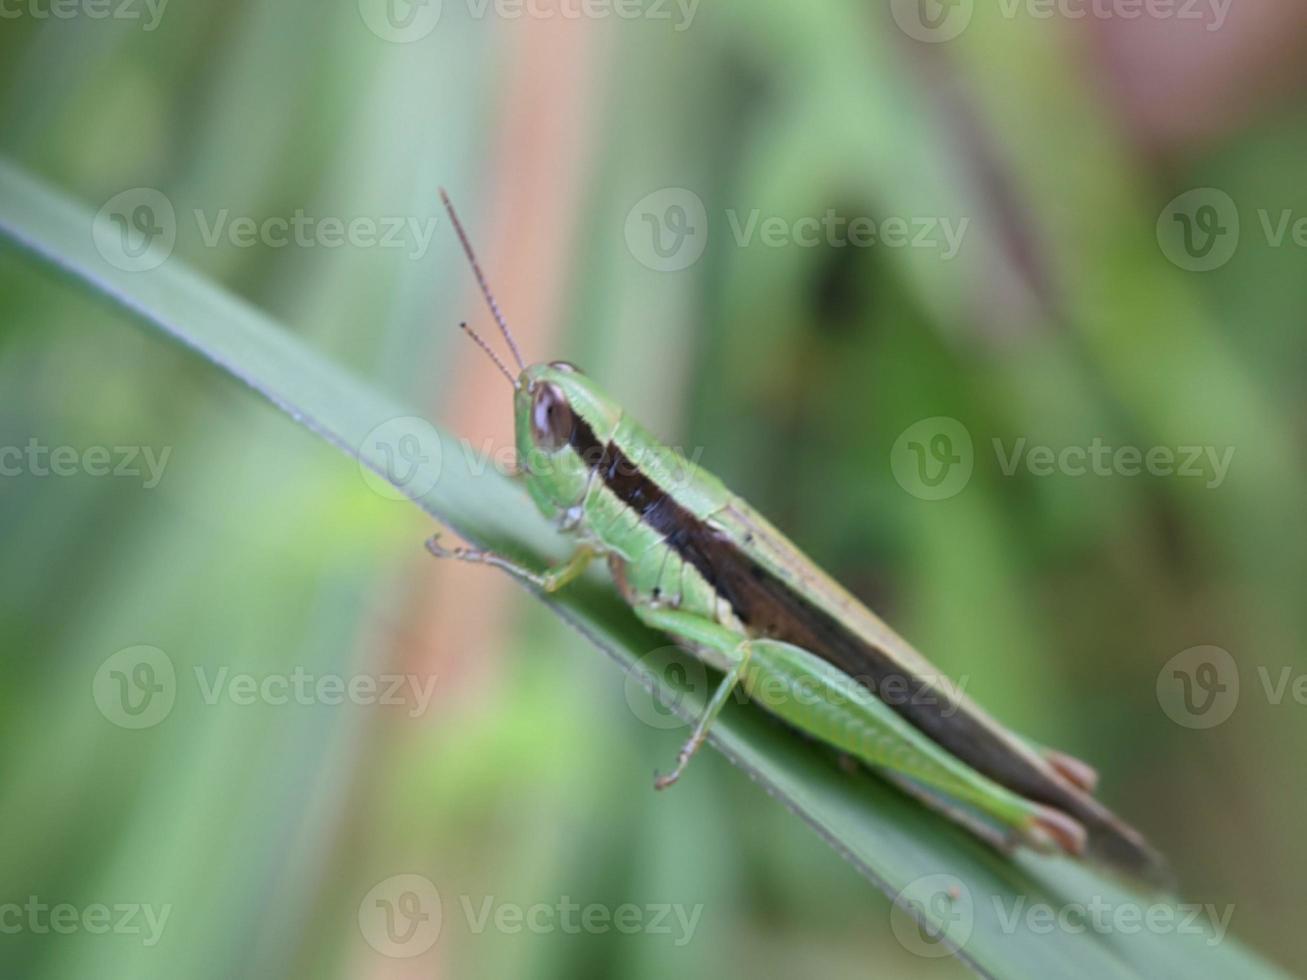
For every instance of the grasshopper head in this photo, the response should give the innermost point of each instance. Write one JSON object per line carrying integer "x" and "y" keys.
{"x": 563, "y": 421}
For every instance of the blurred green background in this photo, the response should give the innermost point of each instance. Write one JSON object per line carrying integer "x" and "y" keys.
{"x": 1073, "y": 310}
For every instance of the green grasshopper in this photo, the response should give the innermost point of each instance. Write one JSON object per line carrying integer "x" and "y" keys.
{"x": 696, "y": 562}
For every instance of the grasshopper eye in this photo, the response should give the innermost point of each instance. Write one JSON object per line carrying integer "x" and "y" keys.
{"x": 567, "y": 366}
{"x": 551, "y": 418}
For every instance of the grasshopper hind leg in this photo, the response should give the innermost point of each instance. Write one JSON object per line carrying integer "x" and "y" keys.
{"x": 714, "y": 644}
{"x": 815, "y": 698}
{"x": 1005, "y": 840}
{"x": 710, "y": 713}
{"x": 1080, "y": 773}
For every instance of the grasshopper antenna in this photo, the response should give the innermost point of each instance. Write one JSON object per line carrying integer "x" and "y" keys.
{"x": 493, "y": 356}
{"x": 485, "y": 289}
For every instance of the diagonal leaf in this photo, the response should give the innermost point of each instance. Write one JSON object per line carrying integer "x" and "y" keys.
{"x": 953, "y": 892}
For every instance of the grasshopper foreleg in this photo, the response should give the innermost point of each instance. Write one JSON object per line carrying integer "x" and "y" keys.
{"x": 550, "y": 580}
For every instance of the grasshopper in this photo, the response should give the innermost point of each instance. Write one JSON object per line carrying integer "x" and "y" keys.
{"x": 696, "y": 562}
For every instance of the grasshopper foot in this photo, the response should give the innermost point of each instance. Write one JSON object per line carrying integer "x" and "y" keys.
{"x": 662, "y": 782}
{"x": 440, "y": 551}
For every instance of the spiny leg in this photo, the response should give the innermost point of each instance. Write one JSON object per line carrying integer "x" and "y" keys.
{"x": 710, "y": 713}
{"x": 550, "y": 580}
{"x": 727, "y": 649}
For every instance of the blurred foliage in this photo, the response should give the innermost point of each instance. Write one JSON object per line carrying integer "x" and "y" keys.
{"x": 795, "y": 369}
